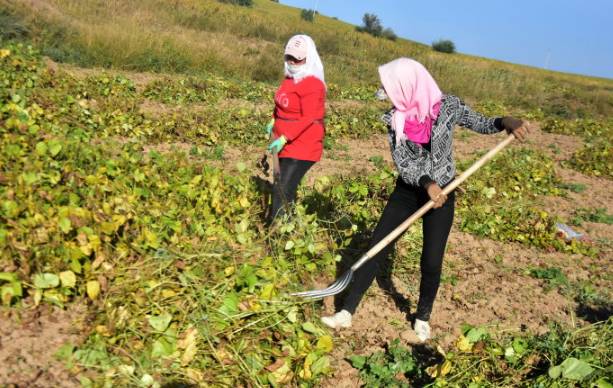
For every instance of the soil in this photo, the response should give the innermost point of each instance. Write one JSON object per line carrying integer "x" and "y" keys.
{"x": 492, "y": 288}
{"x": 29, "y": 339}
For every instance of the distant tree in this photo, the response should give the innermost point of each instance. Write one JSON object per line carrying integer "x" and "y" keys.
{"x": 243, "y": 3}
{"x": 307, "y": 14}
{"x": 388, "y": 33}
{"x": 444, "y": 46}
{"x": 372, "y": 24}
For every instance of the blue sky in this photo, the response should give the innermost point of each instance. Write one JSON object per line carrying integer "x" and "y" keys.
{"x": 572, "y": 36}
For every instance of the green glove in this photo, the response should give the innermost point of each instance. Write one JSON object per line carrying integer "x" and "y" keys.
{"x": 277, "y": 145}
{"x": 269, "y": 126}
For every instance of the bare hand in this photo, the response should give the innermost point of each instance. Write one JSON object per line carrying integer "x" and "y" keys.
{"x": 436, "y": 194}
{"x": 522, "y": 132}
{"x": 517, "y": 127}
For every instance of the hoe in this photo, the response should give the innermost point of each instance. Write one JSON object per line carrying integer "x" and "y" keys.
{"x": 342, "y": 282}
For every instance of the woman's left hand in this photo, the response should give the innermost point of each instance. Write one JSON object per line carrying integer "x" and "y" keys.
{"x": 436, "y": 194}
{"x": 269, "y": 127}
{"x": 517, "y": 127}
{"x": 521, "y": 133}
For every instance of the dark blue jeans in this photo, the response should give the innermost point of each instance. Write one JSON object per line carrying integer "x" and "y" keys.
{"x": 284, "y": 190}
{"x": 404, "y": 201}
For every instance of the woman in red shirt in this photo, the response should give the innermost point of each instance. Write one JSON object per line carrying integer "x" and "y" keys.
{"x": 298, "y": 124}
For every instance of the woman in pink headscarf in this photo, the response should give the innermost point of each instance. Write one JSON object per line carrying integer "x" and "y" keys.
{"x": 420, "y": 134}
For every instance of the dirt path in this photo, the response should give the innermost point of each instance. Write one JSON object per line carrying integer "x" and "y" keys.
{"x": 29, "y": 340}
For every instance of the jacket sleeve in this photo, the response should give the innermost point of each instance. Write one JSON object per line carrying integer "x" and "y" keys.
{"x": 475, "y": 121}
{"x": 313, "y": 107}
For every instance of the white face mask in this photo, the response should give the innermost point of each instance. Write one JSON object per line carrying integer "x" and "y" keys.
{"x": 381, "y": 95}
{"x": 294, "y": 69}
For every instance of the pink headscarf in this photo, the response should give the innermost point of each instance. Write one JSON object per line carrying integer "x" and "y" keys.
{"x": 415, "y": 96}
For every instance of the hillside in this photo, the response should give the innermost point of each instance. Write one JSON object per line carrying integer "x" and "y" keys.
{"x": 133, "y": 248}
{"x": 208, "y": 37}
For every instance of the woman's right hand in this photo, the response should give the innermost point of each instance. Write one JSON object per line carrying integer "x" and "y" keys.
{"x": 277, "y": 145}
{"x": 436, "y": 194}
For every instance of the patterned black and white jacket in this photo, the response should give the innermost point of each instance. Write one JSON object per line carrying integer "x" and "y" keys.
{"x": 418, "y": 165}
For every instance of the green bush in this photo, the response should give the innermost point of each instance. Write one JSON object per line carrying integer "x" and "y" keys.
{"x": 388, "y": 33}
{"x": 372, "y": 25}
{"x": 444, "y": 46}
{"x": 386, "y": 369}
{"x": 307, "y": 14}
{"x": 562, "y": 357}
{"x": 242, "y": 3}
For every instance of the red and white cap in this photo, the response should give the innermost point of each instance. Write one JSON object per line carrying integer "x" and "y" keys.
{"x": 297, "y": 47}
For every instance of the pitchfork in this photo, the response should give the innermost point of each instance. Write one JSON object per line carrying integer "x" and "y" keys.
{"x": 341, "y": 283}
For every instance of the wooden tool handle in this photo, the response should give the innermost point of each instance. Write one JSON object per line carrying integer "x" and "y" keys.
{"x": 424, "y": 209}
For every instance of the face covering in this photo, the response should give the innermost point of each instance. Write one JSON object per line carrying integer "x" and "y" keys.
{"x": 294, "y": 69}
{"x": 381, "y": 95}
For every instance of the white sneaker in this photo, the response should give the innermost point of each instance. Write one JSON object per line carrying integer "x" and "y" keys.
{"x": 422, "y": 329}
{"x": 342, "y": 319}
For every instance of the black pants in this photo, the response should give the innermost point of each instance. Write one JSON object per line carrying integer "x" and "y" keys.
{"x": 284, "y": 190}
{"x": 404, "y": 201}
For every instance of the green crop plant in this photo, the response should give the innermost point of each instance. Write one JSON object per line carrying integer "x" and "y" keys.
{"x": 499, "y": 201}
{"x": 184, "y": 281}
{"x": 562, "y": 357}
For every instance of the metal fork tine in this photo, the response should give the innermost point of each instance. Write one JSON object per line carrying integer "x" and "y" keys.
{"x": 338, "y": 286}
{"x": 315, "y": 293}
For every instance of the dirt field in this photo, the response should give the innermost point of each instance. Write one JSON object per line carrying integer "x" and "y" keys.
{"x": 491, "y": 286}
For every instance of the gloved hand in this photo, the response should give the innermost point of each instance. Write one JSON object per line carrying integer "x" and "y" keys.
{"x": 511, "y": 123}
{"x": 277, "y": 145}
{"x": 269, "y": 126}
{"x": 515, "y": 126}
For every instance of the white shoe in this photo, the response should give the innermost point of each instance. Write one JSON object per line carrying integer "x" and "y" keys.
{"x": 342, "y": 319}
{"x": 422, "y": 329}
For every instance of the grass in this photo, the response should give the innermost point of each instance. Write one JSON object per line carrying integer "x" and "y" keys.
{"x": 599, "y": 215}
{"x": 204, "y": 37}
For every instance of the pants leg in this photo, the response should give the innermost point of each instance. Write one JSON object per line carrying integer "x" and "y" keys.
{"x": 284, "y": 191}
{"x": 403, "y": 202}
{"x": 436, "y": 226}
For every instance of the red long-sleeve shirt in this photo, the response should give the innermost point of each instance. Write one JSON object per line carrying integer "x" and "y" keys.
{"x": 299, "y": 114}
